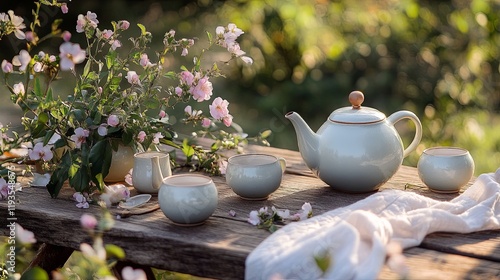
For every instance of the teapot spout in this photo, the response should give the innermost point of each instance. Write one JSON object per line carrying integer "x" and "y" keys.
{"x": 307, "y": 140}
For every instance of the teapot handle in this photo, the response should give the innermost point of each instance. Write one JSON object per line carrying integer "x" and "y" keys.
{"x": 397, "y": 116}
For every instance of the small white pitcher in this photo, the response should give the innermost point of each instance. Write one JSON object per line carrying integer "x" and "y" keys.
{"x": 150, "y": 168}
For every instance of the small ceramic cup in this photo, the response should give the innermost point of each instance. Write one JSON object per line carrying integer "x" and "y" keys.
{"x": 445, "y": 169}
{"x": 150, "y": 168}
{"x": 254, "y": 176}
{"x": 188, "y": 199}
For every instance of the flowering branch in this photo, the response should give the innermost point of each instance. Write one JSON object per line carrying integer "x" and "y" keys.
{"x": 263, "y": 218}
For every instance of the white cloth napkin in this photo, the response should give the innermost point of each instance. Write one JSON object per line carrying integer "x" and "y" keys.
{"x": 356, "y": 236}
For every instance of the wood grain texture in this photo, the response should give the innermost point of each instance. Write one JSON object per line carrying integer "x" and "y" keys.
{"x": 430, "y": 264}
{"x": 219, "y": 247}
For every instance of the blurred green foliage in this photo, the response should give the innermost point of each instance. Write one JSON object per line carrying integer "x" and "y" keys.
{"x": 439, "y": 59}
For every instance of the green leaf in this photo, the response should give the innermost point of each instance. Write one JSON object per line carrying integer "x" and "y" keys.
{"x": 47, "y": 137}
{"x": 187, "y": 149}
{"x": 152, "y": 103}
{"x": 209, "y": 36}
{"x": 323, "y": 261}
{"x": 59, "y": 176}
{"x": 80, "y": 181}
{"x": 86, "y": 69}
{"x": 143, "y": 29}
{"x": 49, "y": 97}
{"x": 55, "y": 25}
{"x": 72, "y": 170}
{"x": 37, "y": 87}
{"x": 265, "y": 134}
{"x": 97, "y": 118}
{"x": 114, "y": 251}
{"x": 110, "y": 59}
{"x": 43, "y": 118}
{"x": 79, "y": 115}
{"x": 100, "y": 161}
{"x": 35, "y": 273}
{"x": 170, "y": 74}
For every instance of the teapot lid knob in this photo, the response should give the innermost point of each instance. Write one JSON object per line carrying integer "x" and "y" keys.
{"x": 356, "y": 98}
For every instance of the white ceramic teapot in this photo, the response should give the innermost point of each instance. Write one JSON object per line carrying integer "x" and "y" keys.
{"x": 357, "y": 149}
{"x": 150, "y": 168}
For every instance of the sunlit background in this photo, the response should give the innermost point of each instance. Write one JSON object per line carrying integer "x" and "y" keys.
{"x": 439, "y": 59}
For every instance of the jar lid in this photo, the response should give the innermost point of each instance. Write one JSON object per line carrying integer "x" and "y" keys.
{"x": 356, "y": 114}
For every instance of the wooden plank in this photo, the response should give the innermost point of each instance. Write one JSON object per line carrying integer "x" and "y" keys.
{"x": 483, "y": 245}
{"x": 429, "y": 264}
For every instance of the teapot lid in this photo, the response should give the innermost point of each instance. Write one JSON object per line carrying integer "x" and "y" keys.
{"x": 356, "y": 114}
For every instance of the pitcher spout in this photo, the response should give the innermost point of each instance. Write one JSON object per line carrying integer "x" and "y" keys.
{"x": 307, "y": 140}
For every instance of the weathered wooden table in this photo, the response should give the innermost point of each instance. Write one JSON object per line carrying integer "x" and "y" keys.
{"x": 218, "y": 248}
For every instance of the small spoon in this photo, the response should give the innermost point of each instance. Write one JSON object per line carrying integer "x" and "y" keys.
{"x": 135, "y": 201}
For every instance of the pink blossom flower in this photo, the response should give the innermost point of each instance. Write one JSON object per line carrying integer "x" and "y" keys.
{"x": 178, "y": 90}
{"x": 284, "y": 214}
{"x": 80, "y": 23}
{"x": 144, "y": 62}
{"x": 203, "y": 90}
{"x": 17, "y": 23}
{"x": 38, "y": 67}
{"x": 4, "y": 188}
{"x": 99, "y": 90}
{"x": 246, "y": 59}
{"x": 184, "y": 52}
{"x": 206, "y": 122}
{"x": 162, "y": 114}
{"x": 115, "y": 44}
{"x": 113, "y": 120}
{"x": 66, "y": 36}
{"x": 102, "y": 130}
{"x": 24, "y": 236}
{"x": 106, "y": 34}
{"x": 40, "y": 151}
{"x": 81, "y": 200}
{"x": 79, "y": 137}
{"x": 219, "y": 109}
{"x": 64, "y": 8}
{"x": 187, "y": 78}
{"x": 157, "y": 137}
{"x": 133, "y": 78}
{"x": 70, "y": 55}
{"x": 114, "y": 194}
{"x": 123, "y": 24}
{"x": 29, "y": 36}
{"x": 88, "y": 221}
{"x": 253, "y": 218}
{"x": 7, "y": 67}
{"x": 88, "y": 20}
{"x": 235, "y": 49}
{"x": 191, "y": 112}
{"x": 18, "y": 89}
{"x": 129, "y": 273}
{"x": 227, "y": 120}
{"x": 306, "y": 212}
{"x": 22, "y": 60}
{"x": 141, "y": 136}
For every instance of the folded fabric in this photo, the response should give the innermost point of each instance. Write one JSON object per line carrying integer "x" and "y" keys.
{"x": 356, "y": 238}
